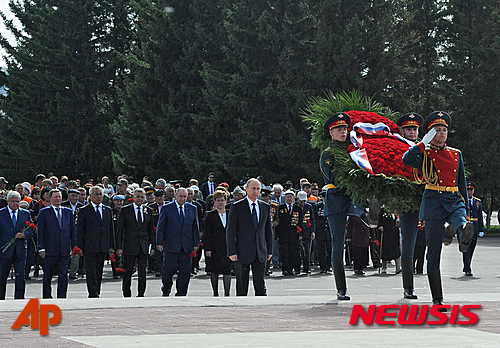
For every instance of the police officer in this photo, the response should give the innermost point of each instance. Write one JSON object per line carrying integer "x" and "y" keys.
{"x": 476, "y": 216}
{"x": 443, "y": 201}
{"x": 337, "y": 203}
{"x": 409, "y": 124}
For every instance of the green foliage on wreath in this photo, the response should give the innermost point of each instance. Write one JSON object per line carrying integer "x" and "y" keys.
{"x": 319, "y": 109}
{"x": 397, "y": 194}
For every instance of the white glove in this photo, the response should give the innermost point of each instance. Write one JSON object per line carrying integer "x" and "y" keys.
{"x": 481, "y": 234}
{"x": 429, "y": 136}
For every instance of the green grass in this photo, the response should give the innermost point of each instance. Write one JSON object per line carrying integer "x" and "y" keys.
{"x": 494, "y": 230}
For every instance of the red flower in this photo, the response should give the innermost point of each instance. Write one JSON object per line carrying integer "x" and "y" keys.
{"x": 377, "y": 243}
{"x": 120, "y": 270}
{"x": 370, "y": 117}
{"x": 193, "y": 254}
{"x": 112, "y": 258}
{"x": 299, "y": 229}
{"x": 77, "y": 250}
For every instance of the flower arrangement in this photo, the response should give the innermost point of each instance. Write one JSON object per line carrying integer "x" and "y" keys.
{"x": 76, "y": 250}
{"x": 29, "y": 225}
{"x": 378, "y": 171}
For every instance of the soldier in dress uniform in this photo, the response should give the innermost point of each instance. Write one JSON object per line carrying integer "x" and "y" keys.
{"x": 287, "y": 234}
{"x": 409, "y": 124}
{"x": 323, "y": 239}
{"x": 308, "y": 230}
{"x": 476, "y": 216}
{"x": 337, "y": 203}
{"x": 159, "y": 196}
{"x": 444, "y": 198}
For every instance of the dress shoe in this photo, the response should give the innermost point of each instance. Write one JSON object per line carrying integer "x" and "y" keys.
{"x": 439, "y": 302}
{"x": 449, "y": 233}
{"x": 342, "y": 295}
{"x": 468, "y": 274}
{"x": 158, "y": 274}
{"x": 307, "y": 272}
{"x": 409, "y": 294}
{"x": 140, "y": 295}
{"x": 285, "y": 273}
{"x": 297, "y": 272}
{"x": 323, "y": 271}
{"x": 466, "y": 236}
{"x": 359, "y": 272}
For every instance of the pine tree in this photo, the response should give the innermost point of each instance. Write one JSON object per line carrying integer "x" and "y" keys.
{"x": 256, "y": 91}
{"x": 58, "y": 79}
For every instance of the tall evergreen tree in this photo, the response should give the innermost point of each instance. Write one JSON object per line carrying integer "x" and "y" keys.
{"x": 256, "y": 91}
{"x": 472, "y": 91}
{"x": 418, "y": 36}
{"x": 157, "y": 132}
{"x": 58, "y": 83}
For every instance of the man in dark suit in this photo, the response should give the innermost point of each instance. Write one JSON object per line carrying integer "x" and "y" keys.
{"x": 208, "y": 188}
{"x": 476, "y": 216}
{"x": 249, "y": 239}
{"x": 12, "y": 221}
{"x": 95, "y": 236}
{"x": 56, "y": 239}
{"x": 289, "y": 217}
{"x": 177, "y": 236}
{"x": 135, "y": 238}
{"x": 74, "y": 205}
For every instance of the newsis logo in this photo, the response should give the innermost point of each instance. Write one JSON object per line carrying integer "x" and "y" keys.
{"x": 414, "y": 315}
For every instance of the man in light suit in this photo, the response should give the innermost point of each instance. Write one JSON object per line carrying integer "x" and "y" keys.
{"x": 12, "y": 221}
{"x": 177, "y": 236}
{"x": 95, "y": 236}
{"x": 135, "y": 238}
{"x": 56, "y": 239}
{"x": 249, "y": 239}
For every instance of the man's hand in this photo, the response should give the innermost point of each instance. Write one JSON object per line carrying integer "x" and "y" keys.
{"x": 234, "y": 257}
{"x": 119, "y": 252}
{"x": 429, "y": 136}
{"x": 152, "y": 252}
{"x": 42, "y": 254}
{"x": 159, "y": 247}
{"x": 208, "y": 253}
{"x": 269, "y": 256}
{"x": 20, "y": 235}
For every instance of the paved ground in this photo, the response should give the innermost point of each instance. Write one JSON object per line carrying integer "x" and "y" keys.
{"x": 299, "y": 311}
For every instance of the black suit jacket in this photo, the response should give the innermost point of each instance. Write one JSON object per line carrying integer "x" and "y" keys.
{"x": 67, "y": 204}
{"x": 95, "y": 235}
{"x": 129, "y": 236}
{"x": 205, "y": 191}
{"x": 286, "y": 232}
{"x": 241, "y": 236}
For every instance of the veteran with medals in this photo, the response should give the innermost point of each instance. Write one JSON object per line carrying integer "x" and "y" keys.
{"x": 443, "y": 200}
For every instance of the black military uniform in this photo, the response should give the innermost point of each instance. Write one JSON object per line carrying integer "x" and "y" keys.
{"x": 308, "y": 232}
{"x": 323, "y": 238}
{"x": 288, "y": 237}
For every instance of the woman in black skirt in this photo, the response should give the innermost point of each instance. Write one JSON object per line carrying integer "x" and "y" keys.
{"x": 215, "y": 242}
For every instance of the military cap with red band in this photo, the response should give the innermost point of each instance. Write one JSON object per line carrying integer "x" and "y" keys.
{"x": 340, "y": 119}
{"x": 410, "y": 120}
{"x": 437, "y": 118}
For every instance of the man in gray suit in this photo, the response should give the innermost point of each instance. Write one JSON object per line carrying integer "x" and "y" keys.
{"x": 249, "y": 239}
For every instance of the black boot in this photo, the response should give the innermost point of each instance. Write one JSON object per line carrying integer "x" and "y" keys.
{"x": 339, "y": 274}
{"x": 465, "y": 236}
{"x": 436, "y": 289}
{"x": 408, "y": 280}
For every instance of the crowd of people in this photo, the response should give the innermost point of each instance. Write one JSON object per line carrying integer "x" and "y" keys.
{"x": 69, "y": 228}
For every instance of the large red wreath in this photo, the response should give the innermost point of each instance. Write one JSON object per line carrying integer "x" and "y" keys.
{"x": 384, "y": 152}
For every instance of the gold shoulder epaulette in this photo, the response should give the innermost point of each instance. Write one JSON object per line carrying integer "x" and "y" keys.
{"x": 453, "y": 149}
{"x": 477, "y": 199}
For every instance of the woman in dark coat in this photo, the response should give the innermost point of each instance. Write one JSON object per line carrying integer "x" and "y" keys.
{"x": 215, "y": 242}
{"x": 388, "y": 226}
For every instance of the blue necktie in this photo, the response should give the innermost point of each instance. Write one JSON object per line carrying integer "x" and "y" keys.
{"x": 254, "y": 215}
{"x": 14, "y": 219}
{"x": 59, "y": 217}
{"x": 181, "y": 213}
